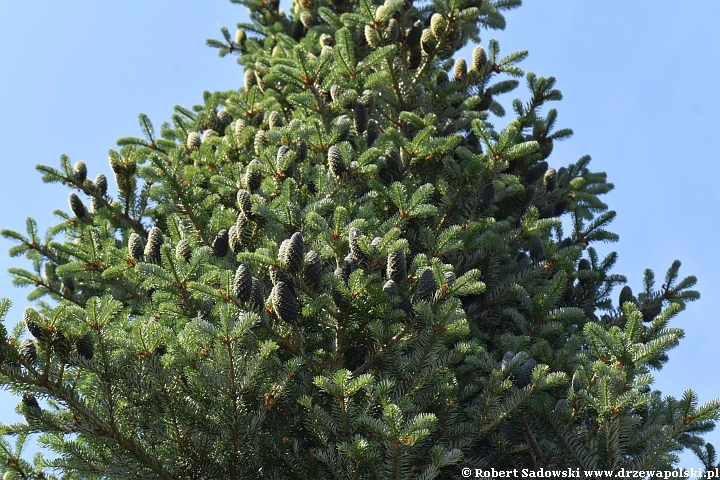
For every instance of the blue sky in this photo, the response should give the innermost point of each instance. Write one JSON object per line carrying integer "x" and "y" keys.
{"x": 639, "y": 80}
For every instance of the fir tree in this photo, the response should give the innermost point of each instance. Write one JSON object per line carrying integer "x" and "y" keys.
{"x": 343, "y": 270}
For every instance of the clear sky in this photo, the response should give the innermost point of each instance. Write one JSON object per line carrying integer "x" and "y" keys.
{"x": 640, "y": 81}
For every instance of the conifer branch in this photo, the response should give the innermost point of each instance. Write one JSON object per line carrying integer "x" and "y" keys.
{"x": 542, "y": 459}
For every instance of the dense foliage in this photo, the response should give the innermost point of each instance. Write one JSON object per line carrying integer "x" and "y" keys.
{"x": 343, "y": 270}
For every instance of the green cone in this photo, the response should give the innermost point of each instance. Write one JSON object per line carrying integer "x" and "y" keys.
{"x": 257, "y": 300}
{"x": 460, "y": 70}
{"x": 244, "y": 201}
{"x": 360, "y": 117}
{"x": 426, "y": 286}
{"x": 80, "y": 171}
{"x": 221, "y": 243}
{"x": 101, "y": 183}
{"x": 136, "y": 247}
{"x": 336, "y": 162}
{"x": 353, "y": 235}
{"x": 242, "y": 283}
{"x": 284, "y": 303}
{"x": 152, "y": 248}
{"x": 479, "y": 58}
{"x": 193, "y": 140}
{"x": 625, "y": 296}
{"x": 183, "y": 250}
{"x": 77, "y": 206}
{"x": 397, "y": 266}
{"x": 313, "y": 268}
{"x": 294, "y": 253}
{"x": 524, "y": 374}
{"x": 85, "y": 347}
{"x": 550, "y": 179}
{"x": 28, "y": 351}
